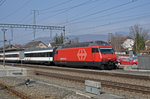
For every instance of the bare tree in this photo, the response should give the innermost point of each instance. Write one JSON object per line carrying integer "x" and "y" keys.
{"x": 137, "y": 30}
{"x": 139, "y": 35}
{"x": 116, "y": 41}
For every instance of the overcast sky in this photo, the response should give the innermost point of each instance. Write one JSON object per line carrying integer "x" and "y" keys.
{"x": 78, "y": 16}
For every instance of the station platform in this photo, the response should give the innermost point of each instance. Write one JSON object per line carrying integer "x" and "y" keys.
{"x": 12, "y": 71}
{"x": 132, "y": 68}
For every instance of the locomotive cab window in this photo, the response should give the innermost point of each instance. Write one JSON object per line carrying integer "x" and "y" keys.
{"x": 95, "y": 50}
{"x": 106, "y": 50}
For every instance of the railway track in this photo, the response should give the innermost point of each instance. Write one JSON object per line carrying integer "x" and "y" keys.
{"x": 80, "y": 75}
{"x": 108, "y": 84}
{"x": 83, "y": 71}
{"x": 15, "y": 92}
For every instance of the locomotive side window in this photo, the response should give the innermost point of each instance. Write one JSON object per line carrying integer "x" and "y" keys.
{"x": 95, "y": 50}
{"x": 106, "y": 50}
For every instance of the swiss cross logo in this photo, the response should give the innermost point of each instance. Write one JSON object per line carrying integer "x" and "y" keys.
{"x": 81, "y": 54}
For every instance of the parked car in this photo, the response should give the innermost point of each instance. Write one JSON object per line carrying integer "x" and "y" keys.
{"x": 127, "y": 61}
{"x": 135, "y": 61}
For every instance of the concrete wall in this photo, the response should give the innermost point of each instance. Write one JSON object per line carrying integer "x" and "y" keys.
{"x": 144, "y": 62}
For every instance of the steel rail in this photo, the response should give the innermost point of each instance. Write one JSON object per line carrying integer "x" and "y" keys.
{"x": 19, "y": 94}
{"x": 105, "y": 83}
{"x": 121, "y": 75}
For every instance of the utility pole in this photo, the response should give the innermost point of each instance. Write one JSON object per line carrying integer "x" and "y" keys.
{"x": 11, "y": 37}
{"x": 50, "y": 35}
{"x": 34, "y": 23}
{"x": 4, "y": 30}
{"x": 110, "y": 38}
{"x": 136, "y": 40}
{"x": 64, "y": 35}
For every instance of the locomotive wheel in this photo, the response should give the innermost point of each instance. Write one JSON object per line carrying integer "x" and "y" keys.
{"x": 109, "y": 67}
{"x": 102, "y": 67}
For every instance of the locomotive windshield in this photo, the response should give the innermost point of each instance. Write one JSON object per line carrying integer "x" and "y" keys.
{"x": 106, "y": 50}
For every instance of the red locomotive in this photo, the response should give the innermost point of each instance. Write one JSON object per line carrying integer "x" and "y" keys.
{"x": 99, "y": 54}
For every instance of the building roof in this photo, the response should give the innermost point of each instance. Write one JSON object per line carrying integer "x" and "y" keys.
{"x": 11, "y": 48}
{"x": 34, "y": 44}
{"x": 19, "y": 46}
{"x": 124, "y": 38}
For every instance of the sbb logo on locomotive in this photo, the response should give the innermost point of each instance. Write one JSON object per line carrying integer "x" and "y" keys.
{"x": 81, "y": 54}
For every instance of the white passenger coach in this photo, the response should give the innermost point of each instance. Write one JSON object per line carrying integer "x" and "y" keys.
{"x": 29, "y": 56}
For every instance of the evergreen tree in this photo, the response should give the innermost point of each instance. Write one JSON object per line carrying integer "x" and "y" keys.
{"x": 59, "y": 39}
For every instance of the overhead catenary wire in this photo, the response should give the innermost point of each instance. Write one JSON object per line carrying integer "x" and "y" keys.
{"x": 24, "y": 18}
{"x": 14, "y": 12}
{"x": 101, "y": 11}
{"x": 110, "y": 23}
{"x": 109, "y": 14}
{"x": 54, "y": 6}
{"x": 48, "y": 10}
{"x": 63, "y": 9}
{"x": 125, "y": 27}
{"x": 86, "y": 11}
{"x": 2, "y": 2}
{"x": 70, "y": 8}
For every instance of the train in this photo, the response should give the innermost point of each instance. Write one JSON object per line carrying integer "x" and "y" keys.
{"x": 86, "y": 54}
{"x": 40, "y": 56}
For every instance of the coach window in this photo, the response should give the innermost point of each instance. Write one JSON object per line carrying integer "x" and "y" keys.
{"x": 49, "y": 54}
{"x": 95, "y": 50}
{"x": 13, "y": 55}
{"x": 28, "y": 55}
{"x": 33, "y": 54}
{"x": 45, "y": 54}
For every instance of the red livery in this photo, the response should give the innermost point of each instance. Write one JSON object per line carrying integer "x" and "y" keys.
{"x": 98, "y": 54}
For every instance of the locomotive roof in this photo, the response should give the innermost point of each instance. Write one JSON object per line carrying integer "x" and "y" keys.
{"x": 85, "y": 44}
